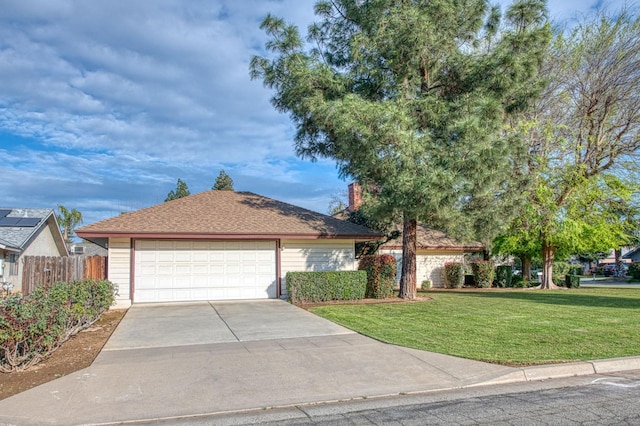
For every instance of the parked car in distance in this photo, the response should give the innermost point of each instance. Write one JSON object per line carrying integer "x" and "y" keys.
{"x": 609, "y": 270}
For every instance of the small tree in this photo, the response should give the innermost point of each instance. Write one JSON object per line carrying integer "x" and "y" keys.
{"x": 181, "y": 191}
{"x": 223, "y": 182}
{"x": 68, "y": 220}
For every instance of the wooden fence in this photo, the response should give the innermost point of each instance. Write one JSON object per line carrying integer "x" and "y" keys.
{"x": 39, "y": 270}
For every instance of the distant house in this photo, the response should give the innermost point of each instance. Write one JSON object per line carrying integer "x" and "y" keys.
{"x": 434, "y": 248}
{"x": 87, "y": 248}
{"x": 633, "y": 255}
{"x": 27, "y": 232}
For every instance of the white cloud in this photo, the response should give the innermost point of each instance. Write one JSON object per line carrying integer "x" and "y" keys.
{"x": 117, "y": 99}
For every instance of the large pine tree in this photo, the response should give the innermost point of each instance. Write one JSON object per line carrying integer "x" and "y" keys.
{"x": 411, "y": 96}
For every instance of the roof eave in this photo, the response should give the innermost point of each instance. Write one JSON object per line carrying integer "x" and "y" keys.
{"x": 221, "y": 236}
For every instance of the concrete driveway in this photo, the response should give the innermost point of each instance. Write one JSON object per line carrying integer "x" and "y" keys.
{"x": 174, "y": 360}
{"x": 203, "y": 323}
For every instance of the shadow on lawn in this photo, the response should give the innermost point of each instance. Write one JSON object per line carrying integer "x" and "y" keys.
{"x": 562, "y": 297}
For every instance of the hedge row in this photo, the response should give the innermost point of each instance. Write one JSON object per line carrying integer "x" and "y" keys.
{"x": 307, "y": 287}
{"x": 381, "y": 275}
{"x": 33, "y": 326}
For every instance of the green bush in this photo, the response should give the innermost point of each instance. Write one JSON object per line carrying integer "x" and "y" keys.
{"x": 453, "y": 275}
{"x": 518, "y": 282}
{"x": 381, "y": 275}
{"x": 561, "y": 269}
{"x": 558, "y": 280}
{"x": 324, "y": 286}
{"x": 33, "y": 326}
{"x": 483, "y": 273}
{"x": 571, "y": 281}
{"x": 503, "y": 276}
{"x": 576, "y": 270}
{"x": 634, "y": 270}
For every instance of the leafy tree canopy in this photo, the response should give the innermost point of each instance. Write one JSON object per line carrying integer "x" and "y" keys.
{"x": 581, "y": 134}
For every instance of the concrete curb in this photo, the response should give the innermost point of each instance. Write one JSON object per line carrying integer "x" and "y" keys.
{"x": 284, "y": 412}
{"x": 559, "y": 371}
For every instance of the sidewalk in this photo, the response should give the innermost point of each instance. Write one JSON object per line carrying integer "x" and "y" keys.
{"x": 148, "y": 384}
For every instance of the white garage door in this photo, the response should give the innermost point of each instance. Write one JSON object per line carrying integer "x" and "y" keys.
{"x": 167, "y": 271}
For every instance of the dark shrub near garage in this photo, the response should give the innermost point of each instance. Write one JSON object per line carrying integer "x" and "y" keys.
{"x": 305, "y": 287}
{"x": 381, "y": 275}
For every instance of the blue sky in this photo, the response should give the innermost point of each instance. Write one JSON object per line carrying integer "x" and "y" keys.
{"x": 104, "y": 105}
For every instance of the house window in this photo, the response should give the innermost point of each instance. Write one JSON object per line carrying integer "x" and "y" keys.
{"x": 13, "y": 264}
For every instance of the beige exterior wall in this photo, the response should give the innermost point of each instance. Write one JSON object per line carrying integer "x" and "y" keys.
{"x": 315, "y": 255}
{"x": 43, "y": 244}
{"x": 120, "y": 266}
{"x": 430, "y": 264}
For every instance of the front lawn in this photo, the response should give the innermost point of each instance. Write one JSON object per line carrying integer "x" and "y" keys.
{"x": 514, "y": 327}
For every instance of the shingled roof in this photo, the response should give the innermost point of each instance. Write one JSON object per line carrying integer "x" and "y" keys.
{"x": 18, "y": 237}
{"x": 225, "y": 214}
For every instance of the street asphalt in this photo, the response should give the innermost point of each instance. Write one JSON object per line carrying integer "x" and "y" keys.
{"x": 173, "y": 361}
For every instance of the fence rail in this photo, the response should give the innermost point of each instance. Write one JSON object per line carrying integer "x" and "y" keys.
{"x": 39, "y": 270}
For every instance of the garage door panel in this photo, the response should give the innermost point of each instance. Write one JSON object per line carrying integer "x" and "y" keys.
{"x": 204, "y": 270}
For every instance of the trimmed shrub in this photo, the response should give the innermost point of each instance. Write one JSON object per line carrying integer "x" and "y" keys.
{"x": 483, "y": 273}
{"x": 453, "y": 275}
{"x": 33, "y": 326}
{"x": 576, "y": 270}
{"x": 634, "y": 270}
{"x": 426, "y": 285}
{"x": 571, "y": 281}
{"x": 324, "y": 286}
{"x": 381, "y": 275}
{"x": 503, "y": 276}
{"x": 561, "y": 269}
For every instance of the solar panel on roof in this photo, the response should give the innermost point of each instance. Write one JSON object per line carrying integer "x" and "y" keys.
{"x": 9, "y": 221}
{"x": 28, "y": 222}
{"x": 4, "y": 212}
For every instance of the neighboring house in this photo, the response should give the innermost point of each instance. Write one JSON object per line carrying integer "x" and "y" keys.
{"x": 633, "y": 255}
{"x": 434, "y": 248}
{"x": 219, "y": 245}
{"x": 27, "y": 232}
{"x": 87, "y": 248}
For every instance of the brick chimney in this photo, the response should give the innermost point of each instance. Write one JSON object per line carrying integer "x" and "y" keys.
{"x": 355, "y": 196}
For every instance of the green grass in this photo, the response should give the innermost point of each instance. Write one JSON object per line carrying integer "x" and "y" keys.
{"x": 512, "y": 327}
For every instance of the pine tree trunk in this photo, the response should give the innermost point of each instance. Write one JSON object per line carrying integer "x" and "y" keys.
{"x": 408, "y": 278}
{"x": 548, "y": 255}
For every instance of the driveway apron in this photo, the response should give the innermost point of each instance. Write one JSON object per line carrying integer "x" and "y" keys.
{"x": 172, "y": 360}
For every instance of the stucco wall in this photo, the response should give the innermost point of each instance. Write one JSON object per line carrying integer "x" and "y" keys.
{"x": 316, "y": 255}
{"x": 430, "y": 264}
{"x": 120, "y": 265}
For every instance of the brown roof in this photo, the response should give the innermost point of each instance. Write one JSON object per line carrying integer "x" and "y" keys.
{"x": 225, "y": 214}
{"x": 429, "y": 238}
